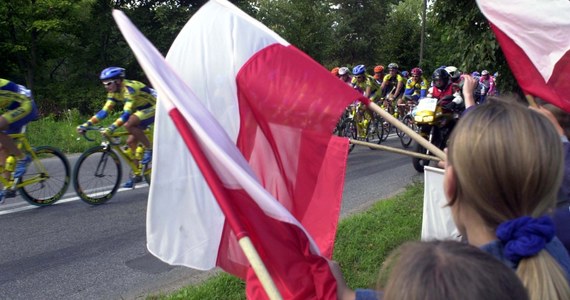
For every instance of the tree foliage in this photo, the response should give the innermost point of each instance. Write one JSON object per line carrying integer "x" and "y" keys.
{"x": 464, "y": 39}
{"x": 58, "y": 47}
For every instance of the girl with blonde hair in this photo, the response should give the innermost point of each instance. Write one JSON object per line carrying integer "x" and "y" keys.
{"x": 504, "y": 168}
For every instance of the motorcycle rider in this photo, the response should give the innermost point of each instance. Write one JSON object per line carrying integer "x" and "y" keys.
{"x": 445, "y": 91}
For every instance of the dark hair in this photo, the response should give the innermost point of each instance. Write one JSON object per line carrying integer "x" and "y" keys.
{"x": 448, "y": 270}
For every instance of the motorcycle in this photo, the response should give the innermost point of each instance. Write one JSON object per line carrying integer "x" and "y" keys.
{"x": 434, "y": 124}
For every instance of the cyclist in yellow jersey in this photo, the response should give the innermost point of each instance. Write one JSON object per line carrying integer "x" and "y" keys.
{"x": 416, "y": 88}
{"x": 392, "y": 86}
{"x": 138, "y": 110}
{"x": 366, "y": 85}
{"x": 379, "y": 74}
{"x": 20, "y": 109}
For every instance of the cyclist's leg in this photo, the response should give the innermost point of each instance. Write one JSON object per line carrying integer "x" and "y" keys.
{"x": 137, "y": 124}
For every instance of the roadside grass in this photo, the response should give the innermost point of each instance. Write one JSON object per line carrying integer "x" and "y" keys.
{"x": 60, "y": 131}
{"x": 363, "y": 242}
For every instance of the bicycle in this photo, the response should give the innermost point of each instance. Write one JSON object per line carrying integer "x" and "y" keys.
{"x": 346, "y": 126}
{"x": 47, "y": 176}
{"x": 408, "y": 119}
{"x": 98, "y": 171}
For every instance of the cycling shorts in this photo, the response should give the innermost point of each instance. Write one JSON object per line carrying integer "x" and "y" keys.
{"x": 20, "y": 115}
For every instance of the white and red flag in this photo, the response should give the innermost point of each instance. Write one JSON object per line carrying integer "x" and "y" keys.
{"x": 276, "y": 160}
{"x": 535, "y": 38}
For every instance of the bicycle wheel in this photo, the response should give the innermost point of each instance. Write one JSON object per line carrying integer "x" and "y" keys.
{"x": 374, "y": 132}
{"x": 97, "y": 175}
{"x": 350, "y": 132}
{"x": 386, "y": 129}
{"x": 405, "y": 139}
{"x": 53, "y": 171}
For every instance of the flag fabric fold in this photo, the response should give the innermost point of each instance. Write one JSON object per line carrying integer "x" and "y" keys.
{"x": 262, "y": 112}
{"x": 534, "y": 38}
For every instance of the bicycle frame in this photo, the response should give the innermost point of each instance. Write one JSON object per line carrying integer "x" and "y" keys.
{"x": 24, "y": 145}
{"x": 129, "y": 160}
{"x": 116, "y": 146}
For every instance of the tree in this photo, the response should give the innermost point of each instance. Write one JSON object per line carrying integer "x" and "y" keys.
{"x": 402, "y": 34}
{"x": 462, "y": 37}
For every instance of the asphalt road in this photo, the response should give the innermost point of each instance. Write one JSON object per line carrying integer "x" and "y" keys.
{"x": 72, "y": 250}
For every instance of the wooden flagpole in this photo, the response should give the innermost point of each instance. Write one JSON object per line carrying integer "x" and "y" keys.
{"x": 407, "y": 130}
{"x": 395, "y": 150}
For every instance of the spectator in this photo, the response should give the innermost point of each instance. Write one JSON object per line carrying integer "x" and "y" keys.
{"x": 439, "y": 270}
{"x": 561, "y": 216}
{"x": 500, "y": 183}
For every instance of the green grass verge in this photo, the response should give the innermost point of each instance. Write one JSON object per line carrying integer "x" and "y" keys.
{"x": 363, "y": 242}
{"x": 60, "y": 131}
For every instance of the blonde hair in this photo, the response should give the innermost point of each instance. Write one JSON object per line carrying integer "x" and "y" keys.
{"x": 508, "y": 163}
{"x": 448, "y": 270}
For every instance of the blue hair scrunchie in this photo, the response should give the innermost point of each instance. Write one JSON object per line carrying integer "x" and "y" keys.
{"x": 525, "y": 236}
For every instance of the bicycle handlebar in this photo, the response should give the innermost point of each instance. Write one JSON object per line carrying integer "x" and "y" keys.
{"x": 98, "y": 129}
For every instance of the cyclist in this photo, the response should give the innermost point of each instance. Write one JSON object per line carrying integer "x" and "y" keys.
{"x": 366, "y": 85}
{"x": 392, "y": 86}
{"x": 488, "y": 84}
{"x": 334, "y": 71}
{"x": 416, "y": 88}
{"x": 454, "y": 74}
{"x": 344, "y": 75}
{"x": 405, "y": 75}
{"x": 138, "y": 111}
{"x": 20, "y": 110}
{"x": 379, "y": 74}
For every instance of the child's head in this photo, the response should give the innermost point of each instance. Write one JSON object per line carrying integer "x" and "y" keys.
{"x": 505, "y": 161}
{"x": 504, "y": 165}
{"x": 448, "y": 270}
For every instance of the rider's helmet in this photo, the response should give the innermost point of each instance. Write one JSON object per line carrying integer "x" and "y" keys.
{"x": 359, "y": 70}
{"x": 342, "y": 71}
{"x": 440, "y": 78}
{"x": 378, "y": 69}
{"x": 417, "y": 71}
{"x": 475, "y": 74}
{"x": 334, "y": 71}
{"x": 393, "y": 66}
{"x": 496, "y": 74}
{"x": 405, "y": 74}
{"x": 453, "y": 72}
{"x": 484, "y": 72}
{"x": 112, "y": 73}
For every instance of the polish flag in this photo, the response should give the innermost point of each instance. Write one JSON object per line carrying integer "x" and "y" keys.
{"x": 261, "y": 113}
{"x": 535, "y": 38}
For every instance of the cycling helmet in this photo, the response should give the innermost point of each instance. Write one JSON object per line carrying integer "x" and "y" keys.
{"x": 496, "y": 74}
{"x": 112, "y": 73}
{"x": 342, "y": 71}
{"x": 417, "y": 71}
{"x": 334, "y": 71}
{"x": 378, "y": 69}
{"x": 484, "y": 72}
{"x": 475, "y": 74}
{"x": 392, "y": 66}
{"x": 405, "y": 73}
{"x": 358, "y": 70}
{"x": 440, "y": 78}
{"x": 453, "y": 72}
